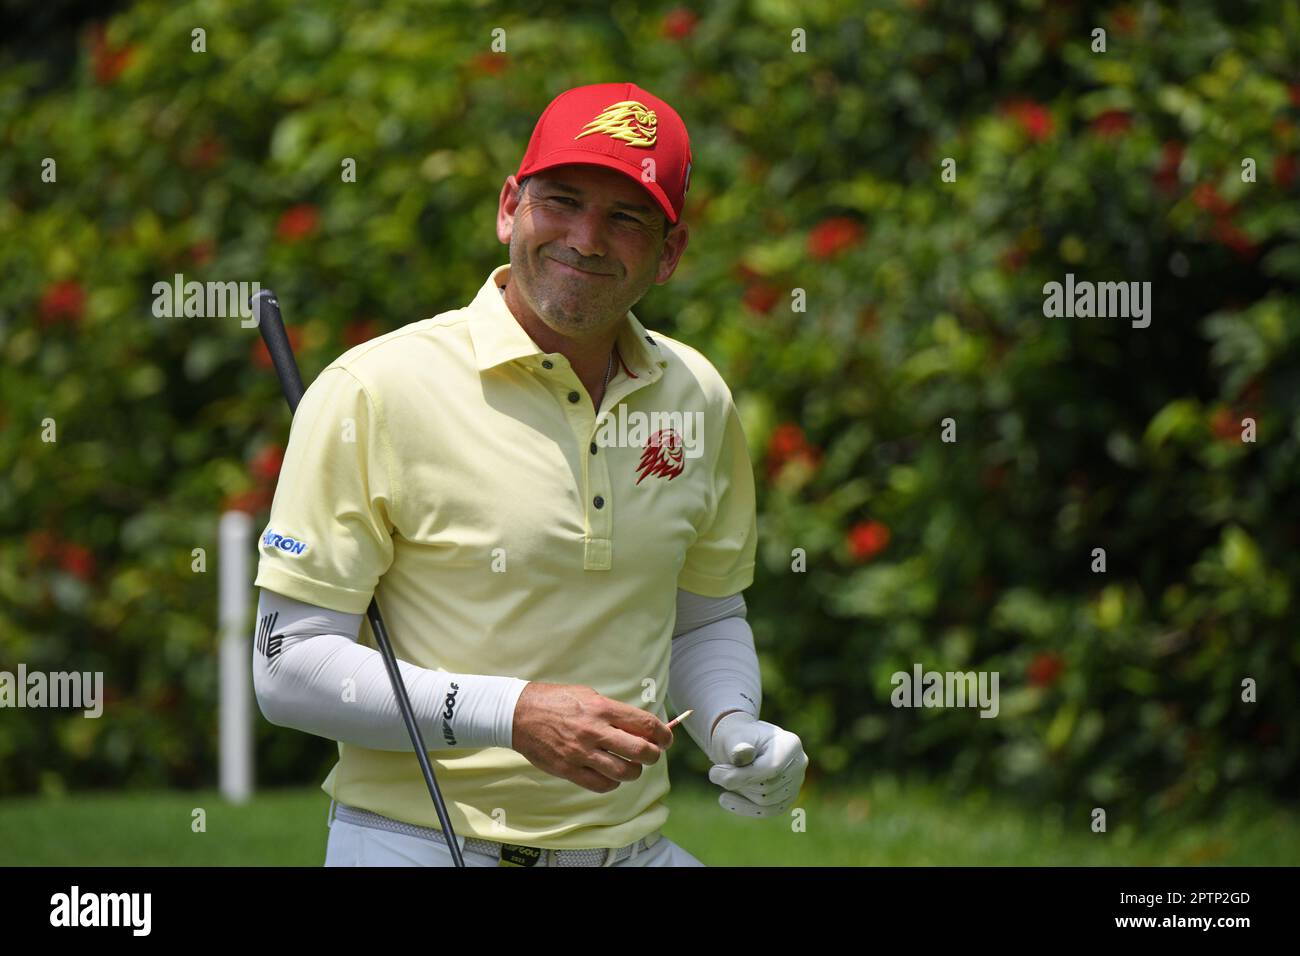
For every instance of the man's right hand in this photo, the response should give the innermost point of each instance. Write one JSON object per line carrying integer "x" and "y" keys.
{"x": 571, "y": 731}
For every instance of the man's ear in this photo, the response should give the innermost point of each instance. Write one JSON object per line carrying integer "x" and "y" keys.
{"x": 674, "y": 246}
{"x": 511, "y": 195}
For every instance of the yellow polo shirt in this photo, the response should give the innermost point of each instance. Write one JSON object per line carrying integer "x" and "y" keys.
{"x": 461, "y": 475}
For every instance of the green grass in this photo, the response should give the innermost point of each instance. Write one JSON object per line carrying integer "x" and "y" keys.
{"x": 881, "y": 825}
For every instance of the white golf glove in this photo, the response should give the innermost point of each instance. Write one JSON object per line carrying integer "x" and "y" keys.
{"x": 759, "y": 765}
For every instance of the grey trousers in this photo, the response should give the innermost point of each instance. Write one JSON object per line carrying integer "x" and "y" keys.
{"x": 352, "y": 845}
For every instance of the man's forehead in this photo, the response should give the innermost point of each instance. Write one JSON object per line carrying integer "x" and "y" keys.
{"x": 592, "y": 179}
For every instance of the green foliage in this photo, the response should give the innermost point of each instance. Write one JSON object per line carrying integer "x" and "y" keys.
{"x": 888, "y": 823}
{"x": 818, "y": 172}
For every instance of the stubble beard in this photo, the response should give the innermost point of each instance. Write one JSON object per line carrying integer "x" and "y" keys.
{"x": 549, "y": 294}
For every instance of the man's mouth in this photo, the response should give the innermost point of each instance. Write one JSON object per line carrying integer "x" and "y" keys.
{"x": 581, "y": 272}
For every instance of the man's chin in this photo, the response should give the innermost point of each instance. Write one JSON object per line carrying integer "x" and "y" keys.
{"x": 567, "y": 324}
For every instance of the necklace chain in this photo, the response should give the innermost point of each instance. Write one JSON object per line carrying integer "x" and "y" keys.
{"x": 609, "y": 369}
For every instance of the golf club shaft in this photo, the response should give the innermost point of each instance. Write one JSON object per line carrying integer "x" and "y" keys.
{"x": 266, "y": 309}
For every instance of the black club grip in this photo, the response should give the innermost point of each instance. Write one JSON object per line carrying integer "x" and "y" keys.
{"x": 266, "y": 310}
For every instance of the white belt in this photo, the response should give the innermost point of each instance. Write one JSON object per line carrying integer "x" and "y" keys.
{"x": 502, "y": 852}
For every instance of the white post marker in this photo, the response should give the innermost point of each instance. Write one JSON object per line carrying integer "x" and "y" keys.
{"x": 234, "y": 539}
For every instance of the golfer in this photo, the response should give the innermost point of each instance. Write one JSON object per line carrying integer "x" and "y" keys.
{"x": 554, "y": 509}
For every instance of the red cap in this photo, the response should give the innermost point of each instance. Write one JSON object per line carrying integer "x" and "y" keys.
{"x": 618, "y": 126}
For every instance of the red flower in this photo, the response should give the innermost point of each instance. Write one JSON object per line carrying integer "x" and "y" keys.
{"x": 249, "y": 502}
{"x": 1045, "y": 669}
{"x": 202, "y": 251}
{"x": 488, "y": 64}
{"x": 1013, "y": 259}
{"x": 262, "y": 358}
{"x": 1033, "y": 118}
{"x": 760, "y": 297}
{"x": 1171, "y": 156}
{"x": 1253, "y": 392}
{"x": 1112, "y": 123}
{"x": 755, "y": 168}
{"x": 1293, "y": 91}
{"x": 788, "y": 444}
{"x": 867, "y": 539}
{"x": 42, "y": 545}
{"x": 994, "y": 477}
{"x": 787, "y": 440}
{"x": 63, "y": 301}
{"x": 1224, "y": 425}
{"x": 354, "y": 333}
{"x": 108, "y": 62}
{"x": 1207, "y": 197}
{"x": 266, "y": 463}
{"x": 1227, "y": 233}
{"x": 77, "y": 561}
{"x": 678, "y": 24}
{"x": 1284, "y": 170}
{"x": 1123, "y": 21}
{"x": 297, "y": 222}
{"x": 832, "y": 236}
{"x": 206, "y": 153}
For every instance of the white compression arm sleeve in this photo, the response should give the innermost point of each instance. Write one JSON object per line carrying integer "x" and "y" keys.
{"x": 305, "y": 657}
{"x": 714, "y": 665}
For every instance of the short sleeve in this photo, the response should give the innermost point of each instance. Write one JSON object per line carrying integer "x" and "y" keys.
{"x": 721, "y": 560}
{"x": 330, "y": 534}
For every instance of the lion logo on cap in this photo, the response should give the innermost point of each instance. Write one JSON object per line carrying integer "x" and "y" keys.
{"x": 628, "y": 121}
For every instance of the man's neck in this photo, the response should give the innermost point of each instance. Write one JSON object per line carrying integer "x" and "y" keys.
{"x": 589, "y": 357}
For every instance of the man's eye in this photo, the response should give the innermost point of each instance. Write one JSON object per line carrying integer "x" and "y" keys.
{"x": 570, "y": 199}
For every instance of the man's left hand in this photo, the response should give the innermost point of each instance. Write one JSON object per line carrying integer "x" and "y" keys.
{"x": 767, "y": 786}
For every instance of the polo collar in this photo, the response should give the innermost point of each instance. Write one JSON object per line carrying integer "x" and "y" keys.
{"x": 498, "y": 337}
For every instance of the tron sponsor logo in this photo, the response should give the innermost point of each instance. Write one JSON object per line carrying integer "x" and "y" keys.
{"x": 283, "y": 542}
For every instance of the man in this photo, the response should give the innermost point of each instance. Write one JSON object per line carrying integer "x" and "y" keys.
{"x": 555, "y": 510}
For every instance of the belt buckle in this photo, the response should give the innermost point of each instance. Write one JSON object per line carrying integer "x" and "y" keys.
{"x": 515, "y": 854}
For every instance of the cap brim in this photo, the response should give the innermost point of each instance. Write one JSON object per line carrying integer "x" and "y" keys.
{"x": 585, "y": 157}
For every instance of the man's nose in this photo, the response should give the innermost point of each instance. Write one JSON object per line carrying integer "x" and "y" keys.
{"x": 586, "y": 237}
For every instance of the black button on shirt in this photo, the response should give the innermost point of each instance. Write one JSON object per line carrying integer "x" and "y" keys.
{"x": 599, "y": 502}
{"x": 573, "y": 397}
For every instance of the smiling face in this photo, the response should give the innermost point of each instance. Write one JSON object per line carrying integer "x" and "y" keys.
{"x": 586, "y": 243}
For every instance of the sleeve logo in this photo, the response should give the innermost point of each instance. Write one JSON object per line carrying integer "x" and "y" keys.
{"x": 268, "y": 644}
{"x": 449, "y": 708}
{"x": 283, "y": 542}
